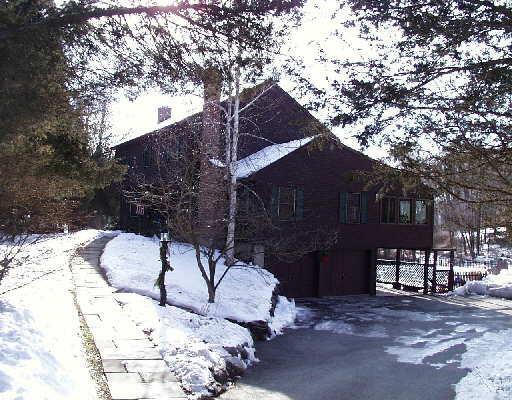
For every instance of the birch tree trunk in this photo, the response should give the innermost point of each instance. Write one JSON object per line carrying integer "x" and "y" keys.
{"x": 230, "y": 237}
{"x": 229, "y": 118}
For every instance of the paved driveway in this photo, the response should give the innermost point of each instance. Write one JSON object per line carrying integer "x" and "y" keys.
{"x": 385, "y": 347}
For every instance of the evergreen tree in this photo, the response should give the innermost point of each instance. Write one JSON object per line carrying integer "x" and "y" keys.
{"x": 58, "y": 63}
{"x": 435, "y": 86}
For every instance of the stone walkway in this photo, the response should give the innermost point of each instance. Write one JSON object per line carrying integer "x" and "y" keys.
{"x": 133, "y": 366}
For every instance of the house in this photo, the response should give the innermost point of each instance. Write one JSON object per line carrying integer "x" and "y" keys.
{"x": 310, "y": 182}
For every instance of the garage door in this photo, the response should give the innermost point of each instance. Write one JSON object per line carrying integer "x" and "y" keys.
{"x": 298, "y": 278}
{"x": 345, "y": 272}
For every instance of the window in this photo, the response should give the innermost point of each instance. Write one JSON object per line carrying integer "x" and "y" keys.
{"x": 146, "y": 158}
{"x": 136, "y": 210}
{"x": 405, "y": 216}
{"x": 287, "y": 203}
{"x": 388, "y": 210}
{"x": 354, "y": 208}
{"x": 409, "y": 211}
{"x": 180, "y": 144}
{"x": 420, "y": 212}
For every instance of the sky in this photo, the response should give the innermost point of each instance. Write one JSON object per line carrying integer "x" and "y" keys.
{"x": 130, "y": 119}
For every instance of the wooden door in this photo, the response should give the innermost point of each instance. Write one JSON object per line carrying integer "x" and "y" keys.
{"x": 345, "y": 272}
{"x": 356, "y": 272}
{"x": 298, "y": 278}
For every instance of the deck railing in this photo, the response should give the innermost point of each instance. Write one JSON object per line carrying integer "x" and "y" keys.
{"x": 414, "y": 276}
{"x": 434, "y": 277}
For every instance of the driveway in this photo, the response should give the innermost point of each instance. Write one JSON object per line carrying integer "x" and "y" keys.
{"x": 385, "y": 347}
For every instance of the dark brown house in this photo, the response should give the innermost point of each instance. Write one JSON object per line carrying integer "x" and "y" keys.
{"x": 309, "y": 181}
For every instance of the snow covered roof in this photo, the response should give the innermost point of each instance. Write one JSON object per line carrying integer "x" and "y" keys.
{"x": 268, "y": 155}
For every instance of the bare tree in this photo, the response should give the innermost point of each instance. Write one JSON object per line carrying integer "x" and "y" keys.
{"x": 232, "y": 135}
{"x": 172, "y": 193}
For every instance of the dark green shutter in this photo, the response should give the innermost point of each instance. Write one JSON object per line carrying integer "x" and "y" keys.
{"x": 364, "y": 207}
{"x": 343, "y": 207}
{"x": 299, "y": 204}
{"x": 274, "y": 201}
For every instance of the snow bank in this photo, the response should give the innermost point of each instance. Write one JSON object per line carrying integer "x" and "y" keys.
{"x": 40, "y": 346}
{"x": 284, "y": 315}
{"x": 132, "y": 264}
{"x": 203, "y": 352}
{"x": 201, "y": 342}
{"x": 492, "y": 285}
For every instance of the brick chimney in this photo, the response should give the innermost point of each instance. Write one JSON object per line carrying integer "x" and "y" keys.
{"x": 212, "y": 188}
{"x": 210, "y": 136}
{"x": 164, "y": 113}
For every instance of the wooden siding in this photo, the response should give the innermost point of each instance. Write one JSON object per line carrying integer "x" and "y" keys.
{"x": 325, "y": 173}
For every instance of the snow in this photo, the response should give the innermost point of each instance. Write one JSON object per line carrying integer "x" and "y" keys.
{"x": 132, "y": 264}
{"x": 487, "y": 357}
{"x": 195, "y": 338}
{"x": 269, "y": 155}
{"x": 470, "y": 343}
{"x": 41, "y": 353}
{"x": 492, "y": 285}
{"x": 284, "y": 315}
{"x": 152, "y": 128}
{"x": 490, "y": 376}
{"x": 193, "y": 346}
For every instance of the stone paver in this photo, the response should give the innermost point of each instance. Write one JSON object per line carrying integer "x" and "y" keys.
{"x": 133, "y": 366}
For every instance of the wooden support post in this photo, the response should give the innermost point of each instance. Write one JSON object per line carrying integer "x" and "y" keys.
{"x": 451, "y": 275}
{"x": 373, "y": 272}
{"x": 434, "y": 273}
{"x": 425, "y": 272}
{"x": 396, "y": 285}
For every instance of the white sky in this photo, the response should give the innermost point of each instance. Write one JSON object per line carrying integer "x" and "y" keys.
{"x": 132, "y": 118}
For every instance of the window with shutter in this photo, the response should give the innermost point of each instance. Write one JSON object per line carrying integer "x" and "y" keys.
{"x": 146, "y": 158}
{"x": 286, "y": 203}
{"x": 354, "y": 208}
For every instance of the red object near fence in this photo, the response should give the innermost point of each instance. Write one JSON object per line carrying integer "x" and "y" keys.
{"x": 462, "y": 278}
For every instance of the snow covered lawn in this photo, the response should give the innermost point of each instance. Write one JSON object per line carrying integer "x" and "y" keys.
{"x": 132, "y": 264}
{"x": 41, "y": 353}
{"x": 492, "y": 285}
{"x": 202, "y": 343}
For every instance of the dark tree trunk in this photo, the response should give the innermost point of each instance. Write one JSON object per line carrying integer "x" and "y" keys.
{"x": 478, "y": 228}
{"x": 211, "y": 283}
{"x": 472, "y": 243}
{"x": 161, "y": 276}
{"x": 211, "y": 293}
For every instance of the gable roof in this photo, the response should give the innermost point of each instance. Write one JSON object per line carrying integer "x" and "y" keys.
{"x": 273, "y": 116}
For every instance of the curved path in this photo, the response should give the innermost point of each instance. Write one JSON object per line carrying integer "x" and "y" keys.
{"x": 133, "y": 367}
